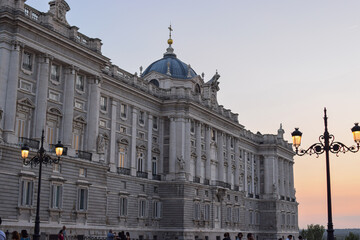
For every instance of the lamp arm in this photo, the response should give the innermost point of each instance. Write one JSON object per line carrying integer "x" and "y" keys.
{"x": 337, "y": 147}
{"x": 41, "y": 158}
{"x": 316, "y": 148}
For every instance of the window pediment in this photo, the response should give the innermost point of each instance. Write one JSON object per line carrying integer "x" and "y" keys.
{"x": 26, "y": 102}
{"x": 54, "y": 111}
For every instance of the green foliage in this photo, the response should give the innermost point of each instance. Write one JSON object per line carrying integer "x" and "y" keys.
{"x": 352, "y": 236}
{"x": 313, "y": 232}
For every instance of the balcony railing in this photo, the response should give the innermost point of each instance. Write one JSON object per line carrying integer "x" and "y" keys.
{"x": 282, "y": 198}
{"x": 84, "y": 155}
{"x": 206, "y": 181}
{"x": 288, "y": 199}
{"x": 156, "y": 177}
{"x": 257, "y": 196}
{"x": 52, "y": 149}
{"x": 196, "y": 180}
{"x": 236, "y": 188}
{"x": 222, "y": 184}
{"x": 141, "y": 174}
{"x": 31, "y": 143}
{"x": 124, "y": 171}
{"x": 250, "y": 195}
{"x": 293, "y": 199}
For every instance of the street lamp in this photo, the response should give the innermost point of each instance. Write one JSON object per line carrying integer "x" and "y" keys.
{"x": 40, "y": 158}
{"x": 327, "y": 144}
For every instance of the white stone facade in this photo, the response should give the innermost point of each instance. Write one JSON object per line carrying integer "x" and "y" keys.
{"x": 162, "y": 160}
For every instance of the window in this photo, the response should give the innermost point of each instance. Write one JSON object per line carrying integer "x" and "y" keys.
{"x": 76, "y": 144}
{"x": 50, "y": 132}
{"x": 217, "y": 213}
{"x": 121, "y": 163}
{"x": 155, "y": 123}
{"x": 154, "y": 165}
{"x": 142, "y": 208}
{"x": 103, "y": 103}
{"x": 197, "y": 211}
{"x": 123, "y": 130}
{"x": 56, "y": 196}
{"x": 237, "y": 215}
{"x": 192, "y": 126}
{"x": 206, "y": 193}
{"x": 213, "y": 135}
{"x": 56, "y": 167}
{"x": 193, "y": 143}
{"x": 207, "y": 212}
{"x": 157, "y": 209}
{"x": 27, "y": 61}
{"x": 228, "y": 214}
{"x": 82, "y": 172}
{"x": 155, "y": 82}
{"x": 142, "y": 135}
{"x": 80, "y": 82}
{"x": 141, "y": 118}
{"x": 35, "y": 16}
{"x": 20, "y": 127}
{"x": 55, "y": 73}
{"x": 232, "y": 142}
{"x": 123, "y": 111}
{"x": 140, "y": 162}
{"x": 82, "y": 199}
{"x": 155, "y": 140}
{"x": 27, "y": 188}
{"x": 197, "y": 89}
{"x": 123, "y": 206}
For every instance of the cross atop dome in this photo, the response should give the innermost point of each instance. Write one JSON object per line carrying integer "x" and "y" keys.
{"x": 170, "y": 50}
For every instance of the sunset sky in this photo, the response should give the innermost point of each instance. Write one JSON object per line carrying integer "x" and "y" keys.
{"x": 279, "y": 61}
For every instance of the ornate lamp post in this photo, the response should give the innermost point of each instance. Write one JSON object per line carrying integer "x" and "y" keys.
{"x": 327, "y": 144}
{"x": 40, "y": 158}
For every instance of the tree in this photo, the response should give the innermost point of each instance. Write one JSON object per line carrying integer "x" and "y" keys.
{"x": 313, "y": 232}
{"x": 352, "y": 236}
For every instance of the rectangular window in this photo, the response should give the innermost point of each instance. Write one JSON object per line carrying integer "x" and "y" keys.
{"x": 123, "y": 110}
{"x": 82, "y": 172}
{"x": 103, "y": 103}
{"x": 79, "y": 105}
{"x": 141, "y": 118}
{"x": 76, "y": 139}
{"x": 155, "y": 123}
{"x": 197, "y": 211}
{"x": 55, "y": 73}
{"x": 56, "y": 196}
{"x": 154, "y": 165}
{"x": 121, "y": 157}
{"x": 228, "y": 214}
{"x": 50, "y": 134}
{"x": 82, "y": 199}
{"x": 232, "y": 142}
{"x": 192, "y": 126}
{"x": 207, "y": 212}
{"x": 237, "y": 215}
{"x": 27, "y": 63}
{"x": 123, "y": 206}
{"x": 27, "y": 188}
{"x": 157, "y": 209}
{"x": 217, "y": 213}
{"x": 213, "y": 135}
{"x": 56, "y": 167}
{"x": 80, "y": 83}
{"x": 20, "y": 128}
{"x": 142, "y": 208}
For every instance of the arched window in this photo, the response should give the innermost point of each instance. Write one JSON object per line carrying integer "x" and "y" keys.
{"x": 155, "y": 82}
{"x": 197, "y": 89}
{"x": 140, "y": 162}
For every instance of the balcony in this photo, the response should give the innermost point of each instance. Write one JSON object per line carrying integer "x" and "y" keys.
{"x": 222, "y": 184}
{"x": 84, "y": 155}
{"x": 141, "y": 174}
{"x": 257, "y": 196}
{"x": 156, "y": 177}
{"x": 206, "y": 181}
{"x": 282, "y": 198}
{"x": 236, "y": 188}
{"x": 250, "y": 195}
{"x": 196, "y": 180}
{"x": 31, "y": 143}
{"x": 288, "y": 199}
{"x": 123, "y": 171}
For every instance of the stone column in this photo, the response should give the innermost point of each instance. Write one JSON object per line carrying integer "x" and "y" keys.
{"x": 228, "y": 149}
{"x": 41, "y": 95}
{"x": 245, "y": 172}
{"x": 208, "y": 156}
{"x": 252, "y": 174}
{"x": 68, "y": 108}
{"x": 291, "y": 168}
{"x": 113, "y": 145}
{"x": 186, "y": 147}
{"x": 93, "y": 114}
{"x": 198, "y": 152}
{"x": 133, "y": 142}
{"x": 172, "y": 148}
{"x": 271, "y": 186}
{"x": 5, "y": 49}
{"x": 11, "y": 94}
{"x": 237, "y": 162}
{"x": 149, "y": 146}
{"x": 221, "y": 157}
{"x": 161, "y": 145}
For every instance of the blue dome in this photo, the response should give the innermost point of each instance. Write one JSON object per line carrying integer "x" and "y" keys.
{"x": 178, "y": 69}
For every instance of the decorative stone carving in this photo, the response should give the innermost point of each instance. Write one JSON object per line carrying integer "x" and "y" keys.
{"x": 59, "y": 8}
{"x": 100, "y": 144}
{"x": 181, "y": 162}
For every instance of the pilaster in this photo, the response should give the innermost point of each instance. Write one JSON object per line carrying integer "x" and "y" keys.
{"x": 221, "y": 157}
{"x": 172, "y": 148}
{"x": 208, "y": 155}
{"x": 237, "y": 162}
{"x": 133, "y": 142}
{"x": 93, "y": 114}
{"x": 11, "y": 94}
{"x": 41, "y": 95}
{"x": 229, "y": 160}
{"x": 5, "y": 50}
{"x": 149, "y": 146}
{"x": 198, "y": 152}
{"x": 187, "y": 146}
{"x": 113, "y": 135}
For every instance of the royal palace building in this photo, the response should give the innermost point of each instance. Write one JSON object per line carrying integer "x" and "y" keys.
{"x": 152, "y": 153}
